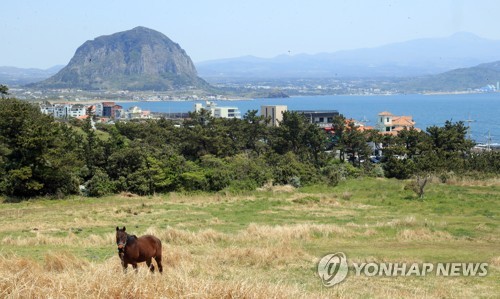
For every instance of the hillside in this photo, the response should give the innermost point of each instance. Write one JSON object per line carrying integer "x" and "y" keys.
{"x": 137, "y": 59}
{"x": 461, "y": 79}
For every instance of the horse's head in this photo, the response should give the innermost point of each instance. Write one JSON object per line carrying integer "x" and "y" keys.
{"x": 121, "y": 237}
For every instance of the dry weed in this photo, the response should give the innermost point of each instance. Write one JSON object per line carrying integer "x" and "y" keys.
{"x": 177, "y": 236}
{"x": 495, "y": 261}
{"x": 422, "y": 234}
{"x": 293, "y": 232}
{"x": 62, "y": 261}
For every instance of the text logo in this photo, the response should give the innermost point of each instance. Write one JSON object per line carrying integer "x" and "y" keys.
{"x": 332, "y": 268}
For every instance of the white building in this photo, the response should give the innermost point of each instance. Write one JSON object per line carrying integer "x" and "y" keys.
{"x": 219, "y": 112}
{"x": 134, "y": 112}
{"x": 60, "y": 110}
{"x": 76, "y": 110}
{"x": 47, "y": 109}
{"x": 99, "y": 108}
{"x": 64, "y": 110}
{"x": 389, "y": 123}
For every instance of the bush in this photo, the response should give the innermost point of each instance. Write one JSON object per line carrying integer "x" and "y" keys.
{"x": 377, "y": 171}
{"x": 399, "y": 168}
{"x": 332, "y": 174}
{"x": 287, "y": 169}
{"x": 99, "y": 185}
{"x": 194, "y": 181}
{"x": 217, "y": 172}
{"x": 418, "y": 184}
{"x": 242, "y": 185}
{"x": 336, "y": 172}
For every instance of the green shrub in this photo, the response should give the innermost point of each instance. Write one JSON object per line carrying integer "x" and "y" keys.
{"x": 99, "y": 185}
{"x": 399, "y": 168}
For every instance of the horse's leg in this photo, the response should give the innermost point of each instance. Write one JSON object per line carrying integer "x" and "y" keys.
{"x": 150, "y": 265}
{"x": 134, "y": 265}
{"x": 124, "y": 265}
{"x": 158, "y": 263}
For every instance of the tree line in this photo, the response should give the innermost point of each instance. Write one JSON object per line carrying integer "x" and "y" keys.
{"x": 40, "y": 156}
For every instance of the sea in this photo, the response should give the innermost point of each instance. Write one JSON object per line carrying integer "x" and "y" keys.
{"x": 479, "y": 111}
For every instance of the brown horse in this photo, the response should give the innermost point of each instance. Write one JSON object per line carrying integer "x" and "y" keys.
{"x": 133, "y": 250}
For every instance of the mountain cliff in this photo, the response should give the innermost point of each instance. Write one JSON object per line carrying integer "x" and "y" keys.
{"x": 137, "y": 59}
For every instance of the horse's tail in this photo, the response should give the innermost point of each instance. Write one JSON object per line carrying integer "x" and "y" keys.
{"x": 158, "y": 241}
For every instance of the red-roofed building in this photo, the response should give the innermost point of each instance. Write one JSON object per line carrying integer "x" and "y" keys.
{"x": 392, "y": 124}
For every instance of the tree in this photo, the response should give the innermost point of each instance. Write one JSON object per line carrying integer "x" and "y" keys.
{"x": 91, "y": 147}
{"x": 41, "y": 156}
{"x": 99, "y": 185}
{"x": 255, "y": 131}
{"x": 4, "y": 90}
{"x": 450, "y": 144}
{"x": 411, "y": 141}
{"x": 354, "y": 143}
{"x": 306, "y": 140}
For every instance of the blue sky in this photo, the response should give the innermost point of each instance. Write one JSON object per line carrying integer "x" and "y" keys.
{"x": 43, "y": 33}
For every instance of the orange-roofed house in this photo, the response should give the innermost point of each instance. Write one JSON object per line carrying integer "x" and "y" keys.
{"x": 392, "y": 124}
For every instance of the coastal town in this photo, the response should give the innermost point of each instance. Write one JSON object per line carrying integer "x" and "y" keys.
{"x": 106, "y": 112}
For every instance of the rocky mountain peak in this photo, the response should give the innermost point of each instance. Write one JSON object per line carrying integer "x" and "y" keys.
{"x": 137, "y": 59}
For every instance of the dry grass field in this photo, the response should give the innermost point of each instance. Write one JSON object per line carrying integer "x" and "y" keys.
{"x": 262, "y": 244}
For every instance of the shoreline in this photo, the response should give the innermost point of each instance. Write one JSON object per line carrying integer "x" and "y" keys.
{"x": 86, "y": 102}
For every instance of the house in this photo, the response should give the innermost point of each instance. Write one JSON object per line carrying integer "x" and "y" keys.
{"x": 388, "y": 123}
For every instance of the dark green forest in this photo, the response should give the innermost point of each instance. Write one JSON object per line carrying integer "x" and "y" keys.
{"x": 40, "y": 156}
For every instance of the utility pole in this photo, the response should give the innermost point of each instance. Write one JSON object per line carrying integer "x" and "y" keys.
{"x": 468, "y": 121}
{"x": 488, "y": 143}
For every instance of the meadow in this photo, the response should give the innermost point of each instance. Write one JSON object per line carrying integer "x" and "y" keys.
{"x": 258, "y": 244}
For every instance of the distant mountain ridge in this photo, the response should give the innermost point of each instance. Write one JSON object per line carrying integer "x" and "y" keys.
{"x": 411, "y": 58}
{"x": 137, "y": 59}
{"x": 459, "y": 62}
{"x": 19, "y": 76}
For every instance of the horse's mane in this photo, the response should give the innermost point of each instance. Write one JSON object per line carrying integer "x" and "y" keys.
{"x": 131, "y": 238}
